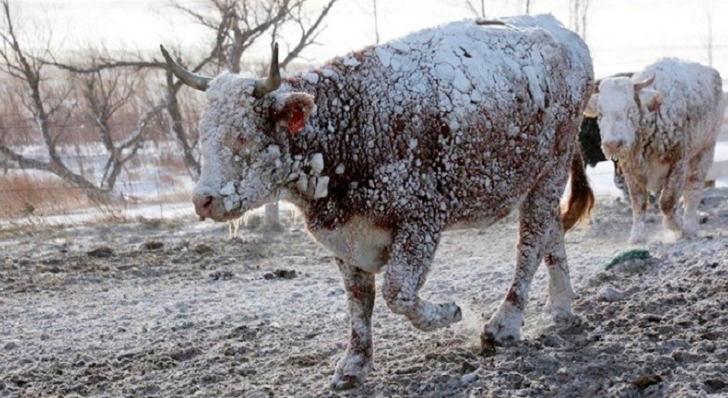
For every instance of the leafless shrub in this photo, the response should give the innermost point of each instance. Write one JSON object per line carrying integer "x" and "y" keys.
{"x": 23, "y": 195}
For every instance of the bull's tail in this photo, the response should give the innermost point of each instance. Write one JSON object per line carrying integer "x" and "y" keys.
{"x": 581, "y": 198}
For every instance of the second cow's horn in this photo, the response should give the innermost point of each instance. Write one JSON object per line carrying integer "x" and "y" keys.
{"x": 644, "y": 83}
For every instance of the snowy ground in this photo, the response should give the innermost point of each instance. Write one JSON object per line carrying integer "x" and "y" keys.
{"x": 175, "y": 309}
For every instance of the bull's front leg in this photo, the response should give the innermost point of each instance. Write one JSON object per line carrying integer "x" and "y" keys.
{"x": 672, "y": 189}
{"x": 354, "y": 367}
{"x": 619, "y": 180}
{"x": 411, "y": 256}
{"x": 640, "y": 199}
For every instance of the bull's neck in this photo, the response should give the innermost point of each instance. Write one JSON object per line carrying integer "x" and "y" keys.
{"x": 323, "y": 161}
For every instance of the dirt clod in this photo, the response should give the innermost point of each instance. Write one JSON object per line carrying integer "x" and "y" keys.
{"x": 152, "y": 245}
{"x": 645, "y": 381}
{"x": 716, "y": 385}
{"x": 204, "y": 250}
{"x": 221, "y": 275}
{"x": 101, "y": 252}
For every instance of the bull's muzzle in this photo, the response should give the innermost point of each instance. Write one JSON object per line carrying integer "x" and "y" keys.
{"x": 203, "y": 205}
{"x": 613, "y": 149}
{"x": 210, "y": 206}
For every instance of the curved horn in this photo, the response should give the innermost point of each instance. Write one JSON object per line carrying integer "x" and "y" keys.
{"x": 273, "y": 81}
{"x": 644, "y": 83}
{"x": 193, "y": 80}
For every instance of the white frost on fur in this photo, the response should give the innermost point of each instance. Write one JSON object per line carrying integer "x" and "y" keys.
{"x": 351, "y": 61}
{"x": 311, "y": 77}
{"x": 317, "y": 163}
{"x": 322, "y": 188}
{"x": 228, "y": 189}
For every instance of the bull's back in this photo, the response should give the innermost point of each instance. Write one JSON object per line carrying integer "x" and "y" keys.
{"x": 502, "y": 81}
{"x": 692, "y": 99}
{"x": 488, "y": 108}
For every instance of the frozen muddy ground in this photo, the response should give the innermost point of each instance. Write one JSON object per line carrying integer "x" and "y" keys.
{"x": 178, "y": 310}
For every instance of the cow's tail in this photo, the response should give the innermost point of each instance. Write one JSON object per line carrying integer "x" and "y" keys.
{"x": 581, "y": 198}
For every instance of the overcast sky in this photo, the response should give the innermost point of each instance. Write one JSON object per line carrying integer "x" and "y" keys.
{"x": 622, "y": 34}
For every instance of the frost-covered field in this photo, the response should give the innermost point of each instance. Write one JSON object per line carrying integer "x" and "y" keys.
{"x": 175, "y": 309}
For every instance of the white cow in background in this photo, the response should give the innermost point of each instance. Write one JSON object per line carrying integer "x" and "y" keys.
{"x": 662, "y": 125}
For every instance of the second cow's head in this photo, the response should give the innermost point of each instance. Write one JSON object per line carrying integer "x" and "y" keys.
{"x": 620, "y": 106}
{"x": 240, "y": 136}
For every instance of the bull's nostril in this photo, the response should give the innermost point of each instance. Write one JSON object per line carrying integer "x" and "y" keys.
{"x": 207, "y": 202}
{"x": 204, "y": 205}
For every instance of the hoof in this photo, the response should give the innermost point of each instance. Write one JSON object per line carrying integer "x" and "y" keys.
{"x": 690, "y": 232}
{"x": 443, "y": 315}
{"x": 351, "y": 372}
{"x": 637, "y": 240}
{"x": 559, "y": 316}
{"x": 673, "y": 224}
{"x": 487, "y": 344}
{"x": 638, "y": 234}
{"x": 504, "y": 327}
{"x": 345, "y": 382}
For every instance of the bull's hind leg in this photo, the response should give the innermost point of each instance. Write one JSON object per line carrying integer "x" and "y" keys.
{"x": 558, "y": 307}
{"x": 672, "y": 189}
{"x": 538, "y": 222}
{"x": 697, "y": 171}
{"x": 353, "y": 368}
{"x": 410, "y": 259}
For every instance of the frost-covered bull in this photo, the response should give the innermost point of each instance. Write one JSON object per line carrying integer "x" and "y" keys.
{"x": 386, "y": 148}
{"x": 663, "y": 130}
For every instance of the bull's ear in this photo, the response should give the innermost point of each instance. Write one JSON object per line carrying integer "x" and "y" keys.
{"x": 651, "y": 100}
{"x": 591, "y": 106}
{"x": 293, "y": 110}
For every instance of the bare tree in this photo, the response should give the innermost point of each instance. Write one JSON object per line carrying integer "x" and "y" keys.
{"x": 477, "y": 7}
{"x": 238, "y": 25}
{"x": 528, "y": 6}
{"x": 375, "y": 15}
{"x": 372, "y": 9}
{"x": 525, "y": 6}
{"x": 105, "y": 93}
{"x": 477, "y": 10}
{"x": 579, "y": 11}
{"x": 710, "y": 31}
